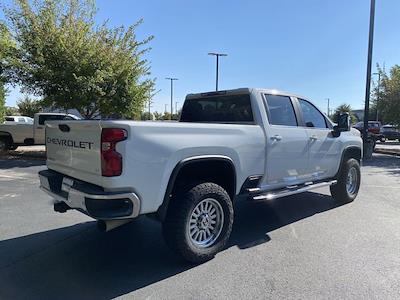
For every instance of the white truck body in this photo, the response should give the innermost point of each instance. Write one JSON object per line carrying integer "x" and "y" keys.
{"x": 281, "y": 159}
{"x": 153, "y": 149}
{"x": 17, "y": 134}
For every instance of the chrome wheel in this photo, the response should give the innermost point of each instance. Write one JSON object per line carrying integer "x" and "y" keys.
{"x": 352, "y": 181}
{"x": 205, "y": 223}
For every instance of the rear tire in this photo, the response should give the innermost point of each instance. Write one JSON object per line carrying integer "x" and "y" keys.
{"x": 199, "y": 222}
{"x": 348, "y": 182}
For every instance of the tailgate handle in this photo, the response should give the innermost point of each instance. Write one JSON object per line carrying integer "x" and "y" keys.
{"x": 64, "y": 127}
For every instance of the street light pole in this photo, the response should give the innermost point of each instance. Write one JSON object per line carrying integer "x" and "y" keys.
{"x": 368, "y": 81}
{"x": 328, "y": 106}
{"x": 172, "y": 94}
{"x": 378, "y": 92}
{"x": 217, "y": 55}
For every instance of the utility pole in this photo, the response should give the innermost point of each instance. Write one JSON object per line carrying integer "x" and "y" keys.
{"x": 368, "y": 81}
{"x": 165, "y": 110}
{"x": 328, "y": 106}
{"x": 172, "y": 94}
{"x": 378, "y": 92}
{"x": 217, "y": 55}
{"x": 176, "y": 107}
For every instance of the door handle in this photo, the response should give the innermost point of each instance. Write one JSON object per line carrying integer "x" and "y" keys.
{"x": 276, "y": 137}
{"x": 313, "y": 137}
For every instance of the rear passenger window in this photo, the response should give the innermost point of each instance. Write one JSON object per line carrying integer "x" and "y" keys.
{"x": 280, "y": 111}
{"x": 218, "y": 109}
{"x": 312, "y": 116}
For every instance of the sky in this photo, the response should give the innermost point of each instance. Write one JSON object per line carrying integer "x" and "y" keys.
{"x": 314, "y": 48}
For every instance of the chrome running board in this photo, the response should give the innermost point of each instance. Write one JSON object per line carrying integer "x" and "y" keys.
{"x": 290, "y": 190}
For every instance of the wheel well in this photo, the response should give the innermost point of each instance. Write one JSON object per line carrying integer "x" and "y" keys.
{"x": 6, "y": 136}
{"x": 352, "y": 152}
{"x": 220, "y": 171}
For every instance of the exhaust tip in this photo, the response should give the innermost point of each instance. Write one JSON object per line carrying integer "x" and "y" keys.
{"x": 61, "y": 207}
{"x": 111, "y": 224}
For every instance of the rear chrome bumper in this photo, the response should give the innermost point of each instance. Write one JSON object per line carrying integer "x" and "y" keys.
{"x": 89, "y": 199}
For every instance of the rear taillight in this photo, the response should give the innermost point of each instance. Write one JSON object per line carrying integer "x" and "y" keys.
{"x": 111, "y": 160}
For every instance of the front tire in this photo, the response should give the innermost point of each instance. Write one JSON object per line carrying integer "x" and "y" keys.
{"x": 348, "y": 182}
{"x": 199, "y": 222}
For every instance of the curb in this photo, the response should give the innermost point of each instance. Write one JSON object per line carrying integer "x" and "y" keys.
{"x": 389, "y": 152}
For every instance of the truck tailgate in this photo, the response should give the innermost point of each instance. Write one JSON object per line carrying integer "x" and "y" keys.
{"x": 73, "y": 148}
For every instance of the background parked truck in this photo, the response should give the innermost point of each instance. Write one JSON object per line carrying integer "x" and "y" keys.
{"x": 27, "y": 134}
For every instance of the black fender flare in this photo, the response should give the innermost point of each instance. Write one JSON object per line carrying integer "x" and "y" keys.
{"x": 349, "y": 152}
{"x": 162, "y": 210}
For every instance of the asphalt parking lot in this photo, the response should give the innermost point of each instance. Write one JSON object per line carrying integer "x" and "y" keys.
{"x": 299, "y": 247}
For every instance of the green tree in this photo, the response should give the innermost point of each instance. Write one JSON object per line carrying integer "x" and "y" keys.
{"x": 28, "y": 106}
{"x": 341, "y": 109}
{"x": 146, "y": 116}
{"x": 158, "y": 116}
{"x": 166, "y": 116}
{"x": 6, "y": 48}
{"x": 65, "y": 58}
{"x": 387, "y": 100}
{"x": 2, "y": 102}
{"x": 11, "y": 111}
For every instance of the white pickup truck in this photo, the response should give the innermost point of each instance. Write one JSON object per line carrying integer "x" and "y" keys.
{"x": 17, "y": 134}
{"x": 256, "y": 144}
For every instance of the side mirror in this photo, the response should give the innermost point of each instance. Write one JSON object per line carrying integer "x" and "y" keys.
{"x": 343, "y": 124}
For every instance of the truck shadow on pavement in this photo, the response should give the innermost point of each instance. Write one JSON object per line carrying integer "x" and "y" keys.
{"x": 9, "y": 163}
{"x": 78, "y": 261}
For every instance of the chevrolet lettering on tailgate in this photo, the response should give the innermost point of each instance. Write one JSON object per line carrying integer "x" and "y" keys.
{"x": 70, "y": 143}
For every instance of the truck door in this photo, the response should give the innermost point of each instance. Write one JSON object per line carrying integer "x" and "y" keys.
{"x": 324, "y": 149}
{"x": 287, "y": 144}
